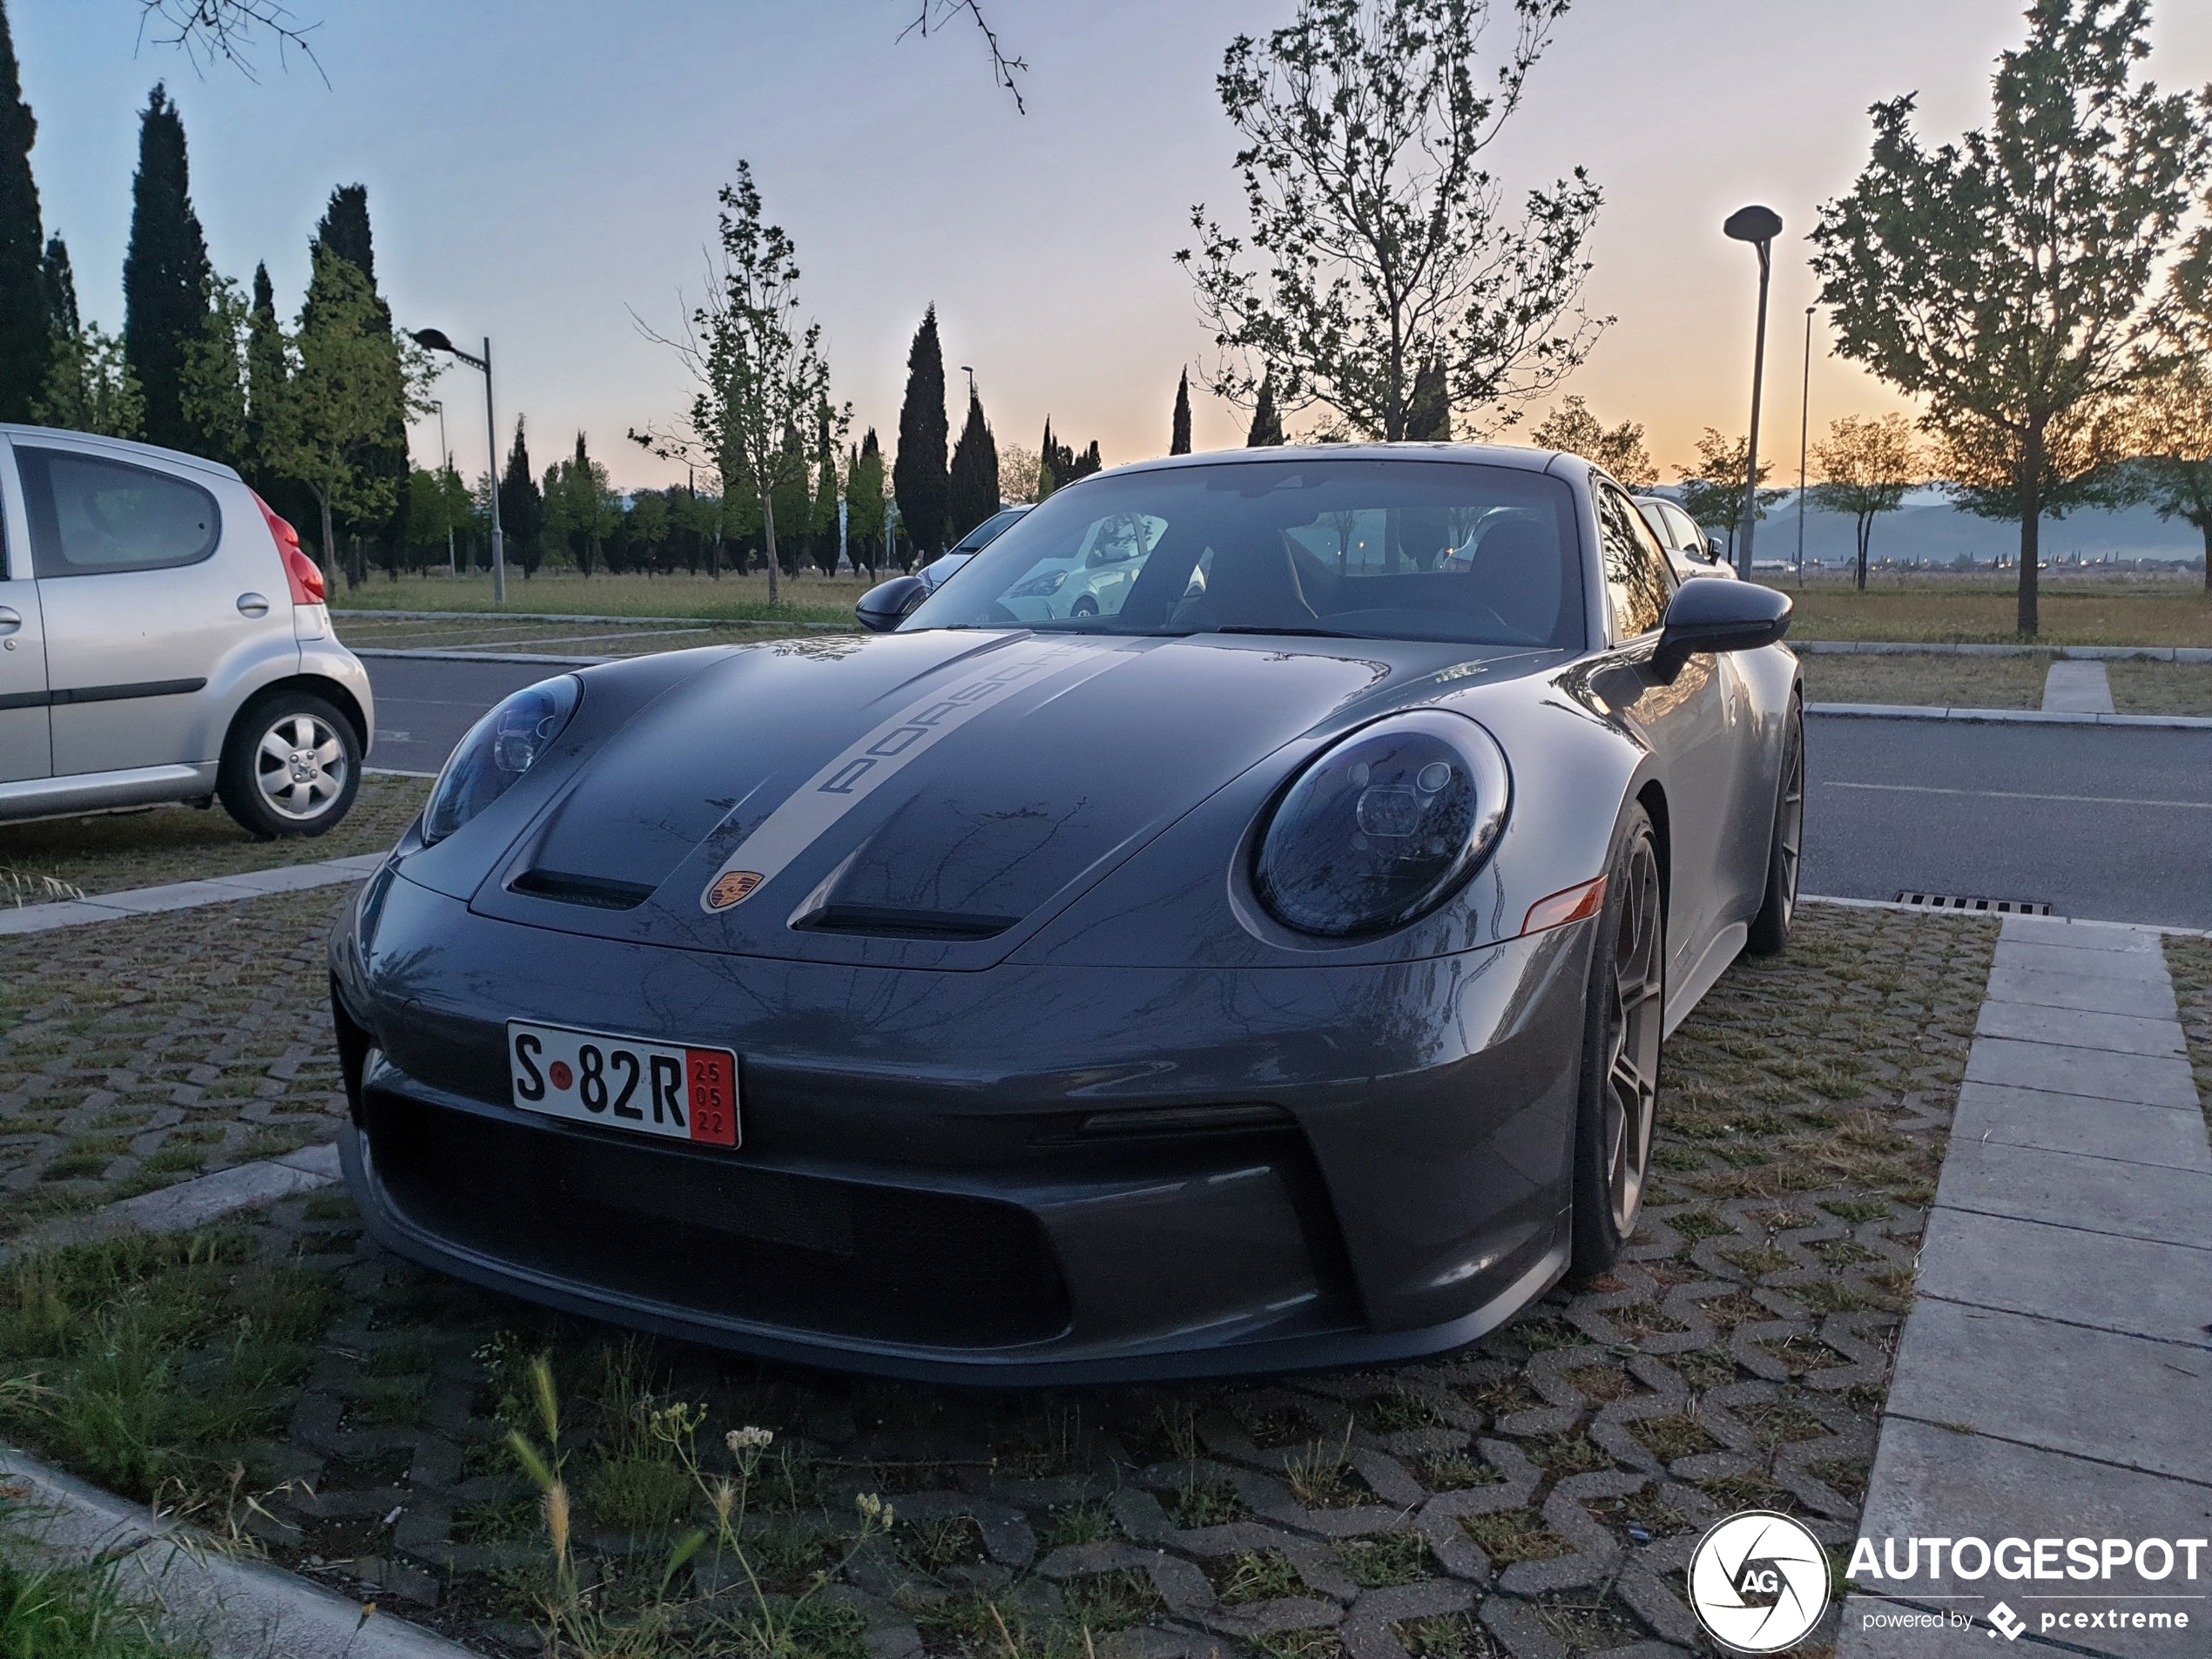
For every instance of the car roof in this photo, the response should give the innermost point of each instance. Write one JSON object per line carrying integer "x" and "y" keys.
{"x": 123, "y": 448}
{"x": 1489, "y": 455}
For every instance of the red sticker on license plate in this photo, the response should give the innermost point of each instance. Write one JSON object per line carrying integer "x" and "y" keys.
{"x": 711, "y": 1075}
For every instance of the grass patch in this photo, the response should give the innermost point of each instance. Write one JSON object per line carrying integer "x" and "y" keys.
{"x": 1512, "y": 1535}
{"x": 1264, "y": 1576}
{"x": 1384, "y": 1560}
{"x": 805, "y": 598}
{"x": 1950, "y": 608}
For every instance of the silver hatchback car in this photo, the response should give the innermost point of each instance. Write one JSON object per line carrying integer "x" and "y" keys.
{"x": 163, "y": 638}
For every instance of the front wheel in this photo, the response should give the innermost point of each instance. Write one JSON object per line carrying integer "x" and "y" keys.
{"x": 291, "y": 766}
{"x": 1769, "y": 931}
{"x": 1622, "y": 1033}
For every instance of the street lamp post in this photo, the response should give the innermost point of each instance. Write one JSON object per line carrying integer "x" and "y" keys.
{"x": 1805, "y": 444}
{"x": 1759, "y": 226}
{"x": 445, "y": 458}
{"x": 434, "y": 340}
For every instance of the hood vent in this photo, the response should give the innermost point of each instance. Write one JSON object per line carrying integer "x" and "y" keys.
{"x": 596, "y": 891}
{"x": 883, "y": 921}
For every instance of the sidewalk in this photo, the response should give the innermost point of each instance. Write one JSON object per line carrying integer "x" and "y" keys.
{"x": 2055, "y": 1378}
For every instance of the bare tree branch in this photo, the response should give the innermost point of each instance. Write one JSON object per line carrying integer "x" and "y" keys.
{"x": 935, "y": 14}
{"x": 208, "y": 31}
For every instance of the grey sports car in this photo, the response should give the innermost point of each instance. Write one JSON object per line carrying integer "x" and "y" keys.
{"x": 1268, "y": 970}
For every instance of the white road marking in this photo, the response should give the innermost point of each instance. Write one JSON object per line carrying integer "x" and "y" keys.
{"x": 2009, "y": 794}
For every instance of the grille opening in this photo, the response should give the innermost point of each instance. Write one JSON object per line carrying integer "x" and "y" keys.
{"x": 886, "y": 922}
{"x": 598, "y": 892}
{"x": 709, "y": 1233}
{"x": 1181, "y": 1120}
{"x": 1989, "y": 906}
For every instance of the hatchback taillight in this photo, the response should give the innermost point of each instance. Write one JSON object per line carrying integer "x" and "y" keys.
{"x": 304, "y": 575}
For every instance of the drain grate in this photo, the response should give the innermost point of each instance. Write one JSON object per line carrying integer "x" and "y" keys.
{"x": 1992, "y": 906}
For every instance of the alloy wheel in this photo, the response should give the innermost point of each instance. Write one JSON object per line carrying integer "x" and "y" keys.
{"x": 1791, "y": 832}
{"x": 300, "y": 767}
{"x": 1632, "y": 1068}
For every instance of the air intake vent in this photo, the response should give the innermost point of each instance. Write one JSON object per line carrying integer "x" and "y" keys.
{"x": 596, "y": 891}
{"x": 884, "y": 922}
{"x": 1989, "y": 906}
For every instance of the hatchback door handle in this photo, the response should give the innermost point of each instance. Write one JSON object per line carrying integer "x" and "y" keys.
{"x": 252, "y": 604}
{"x": 11, "y": 619}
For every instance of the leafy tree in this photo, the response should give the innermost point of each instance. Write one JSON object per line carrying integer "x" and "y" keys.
{"x": 344, "y": 230}
{"x": 1618, "y": 449}
{"x": 212, "y": 386}
{"x": 26, "y": 320}
{"x": 647, "y": 528}
{"x": 1379, "y": 234}
{"x": 1866, "y": 467}
{"x": 1017, "y": 473}
{"x": 579, "y": 513}
{"x": 2010, "y": 280}
{"x": 865, "y": 504}
{"x": 1059, "y": 464}
{"x": 761, "y": 377}
{"x": 1179, "y": 425}
{"x": 328, "y": 419}
{"x": 920, "y": 477}
{"x": 972, "y": 493}
{"x": 522, "y": 506}
{"x": 2170, "y": 429}
{"x": 792, "y": 505}
{"x": 1712, "y": 491}
{"x": 1267, "y": 420}
{"x": 166, "y": 277}
{"x": 88, "y": 386}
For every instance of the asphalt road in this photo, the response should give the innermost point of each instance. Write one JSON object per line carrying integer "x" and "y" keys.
{"x": 2110, "y": 822}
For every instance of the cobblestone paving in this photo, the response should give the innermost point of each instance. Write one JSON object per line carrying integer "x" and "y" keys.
{"x": 1535, "y": 1495}
{"x": 136, "y": 1054}
{"x": 2189, "y": 961}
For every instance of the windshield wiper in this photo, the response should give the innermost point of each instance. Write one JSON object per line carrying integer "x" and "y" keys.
{"x": 1302, "y": 633}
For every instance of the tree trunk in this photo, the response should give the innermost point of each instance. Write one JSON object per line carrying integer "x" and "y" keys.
{"x": 2031, "y": 494}
{"x": 2206, "y": 527}
{"x": 330, "y": 543}
{"x": 768, "y": 522}
{"x": 1865, "y": 535}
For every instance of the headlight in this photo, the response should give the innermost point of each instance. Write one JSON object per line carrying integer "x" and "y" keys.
{"x": 498, "y": 749}
{"x": 1385, "y": 826}
{"x": 1040, "y": 587}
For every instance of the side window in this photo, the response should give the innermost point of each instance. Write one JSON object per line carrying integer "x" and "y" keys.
{"x": 1686, "y": 535}
{"x": 1637, "y": 578}
{"x": 93, "y": 516}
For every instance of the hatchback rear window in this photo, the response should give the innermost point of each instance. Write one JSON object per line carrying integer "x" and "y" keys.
{"x": 90, "y": 515}
{"x": 1357, "y": 548}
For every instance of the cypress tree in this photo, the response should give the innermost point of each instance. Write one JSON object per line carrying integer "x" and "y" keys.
{"x": 344, "y": 230}
{"x": 825, "y": 548}
{"x": 1429, "y": 411}
{"x": 794, "y": 505}
{"x": 864, "y": 503}
{"x": 521, "y": 509}
{"x": 1048, "y": 462}
{"x": 26, "y": 323}
{"x": 1179, "y": 428}
{"x": 265, "y": 366}
{"x": 918, "y": 478}
{"x": 972, "y": 493}
{"x": 166, "y": 273}
{"x": 60, "y": 283}
{"x": 1267, "y": 420}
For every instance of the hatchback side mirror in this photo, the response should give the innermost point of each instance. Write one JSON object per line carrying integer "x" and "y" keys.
{"x": 1715, "y": 550}
{"x": 1719, "y": 616}
{"x": 884, "y": 606}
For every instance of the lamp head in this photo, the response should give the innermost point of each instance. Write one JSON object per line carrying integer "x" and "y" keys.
{"x": 432, "y": 339}
{"x": 1753, "y": 225}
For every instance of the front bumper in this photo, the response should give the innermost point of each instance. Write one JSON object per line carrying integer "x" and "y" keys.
{"x": 1023, "y": 1175}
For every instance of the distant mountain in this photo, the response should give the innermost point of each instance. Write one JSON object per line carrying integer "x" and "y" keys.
{"x": 1928, "y": 529}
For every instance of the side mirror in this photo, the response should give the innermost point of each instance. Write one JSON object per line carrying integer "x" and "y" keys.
{"x": 1715, "y": 550}
{"x": 884, "y": 606}
{"x": 1719, "y": 616}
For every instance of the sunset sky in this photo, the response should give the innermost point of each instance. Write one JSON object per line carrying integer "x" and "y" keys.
{"x": 539, "y": 169}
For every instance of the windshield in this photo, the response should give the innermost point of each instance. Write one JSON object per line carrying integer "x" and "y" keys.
{"x": 1366, "y": 549}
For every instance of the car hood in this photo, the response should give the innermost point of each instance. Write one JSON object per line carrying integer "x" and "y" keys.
{"x": 923, "y": 799}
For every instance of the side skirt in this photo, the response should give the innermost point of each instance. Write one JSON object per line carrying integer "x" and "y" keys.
{"x": 1727, "y": 946}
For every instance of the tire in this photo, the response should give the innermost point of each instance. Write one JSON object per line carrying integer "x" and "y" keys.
{"x": 291, "y": 766}
{"x": 1085, "y": 606}
{"x": 1769, "y": 933}
{"x": 1621, "y": 1045}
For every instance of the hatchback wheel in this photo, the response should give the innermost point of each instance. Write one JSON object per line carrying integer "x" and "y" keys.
{"x": 291, "y": 767}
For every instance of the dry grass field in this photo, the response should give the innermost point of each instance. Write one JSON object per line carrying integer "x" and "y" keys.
{"x": 806, "y": 598}
{"x": 1954, "y": 610}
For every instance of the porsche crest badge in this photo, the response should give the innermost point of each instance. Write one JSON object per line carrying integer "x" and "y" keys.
{"x": 730, "y": 886}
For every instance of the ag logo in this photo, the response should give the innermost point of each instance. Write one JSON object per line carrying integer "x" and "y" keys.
{"x": 1759, "y": 1582}
{"x": 730, "y": 886}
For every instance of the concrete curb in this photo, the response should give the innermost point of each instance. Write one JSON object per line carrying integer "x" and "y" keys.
{"x": 240, "y": 1607}
{"x": 188, "y": 1203}
{"x": 2006, "y": 717}
{"x": 1990, "y": 915}
{"x": 1909, "y": 648}
{"x": 186, "y": 895}
{"x": 555, "y": 615}
{"x": 434, "y": 655}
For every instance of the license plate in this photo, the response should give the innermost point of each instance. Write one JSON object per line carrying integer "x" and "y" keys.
{"x": 622, "y": 1082}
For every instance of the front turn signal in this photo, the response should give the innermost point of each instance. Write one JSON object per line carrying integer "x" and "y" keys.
{"x": 1569, "y": 904}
